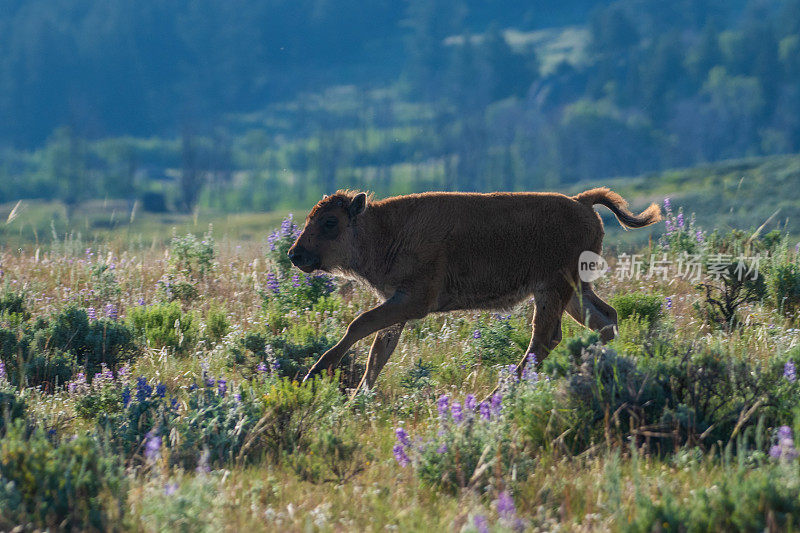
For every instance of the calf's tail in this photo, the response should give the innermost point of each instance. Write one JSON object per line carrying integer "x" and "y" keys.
{"x": 618, "y": 206}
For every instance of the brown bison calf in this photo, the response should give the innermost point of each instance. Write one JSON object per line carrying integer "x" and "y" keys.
{"x": 435, "y": 252}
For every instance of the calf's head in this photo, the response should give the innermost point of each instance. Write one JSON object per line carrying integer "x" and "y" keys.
{"x": 327, "y": 240}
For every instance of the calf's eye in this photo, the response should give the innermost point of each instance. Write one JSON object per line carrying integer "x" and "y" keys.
{"x": 331, "y": 223}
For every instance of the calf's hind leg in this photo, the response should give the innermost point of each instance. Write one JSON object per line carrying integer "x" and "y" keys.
{"x": 591, "y": 311}
{"x": 385, "y": 343}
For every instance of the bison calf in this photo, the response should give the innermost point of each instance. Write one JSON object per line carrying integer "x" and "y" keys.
{"x": 434, "y": 252}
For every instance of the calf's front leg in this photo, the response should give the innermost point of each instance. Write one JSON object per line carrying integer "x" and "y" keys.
{"x": 400, "y": 308}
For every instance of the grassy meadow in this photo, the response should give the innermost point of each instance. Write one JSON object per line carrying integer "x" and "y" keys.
{"x": 151, "y": 367}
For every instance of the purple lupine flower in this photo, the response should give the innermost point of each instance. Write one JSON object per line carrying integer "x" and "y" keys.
{"x": 668, "y": 225}
{"x": 497, "y": 403}
{"x": 161, "y": 390}
{"x": 485, "y": 410}
{"x": 126, "y": 396}
{"x": 481, "y": 523}
{"x": 143, "y": 389}
{"x": 470, "y": 402}
{"x": 400, "y": 455}
{"x": 442, "y": 448}
{"x": 680, "y": 220}
{"x": 476, "y": 334}
{"x": 91, "y": 313}
{"x": 295, "y": 281}
{"x": 111, "y": 311}
{"x": 3, "y": 375}
{"x": 222, "y": 387}
{"x": 402, "y": 437}
{"x": 272, "y": 240}
{"x": 456, "y": 412}
{"x": 262, "y": 368}
{"x": 173, "y": 403}
{"x": 789, "y": 371}
{"x": 505, "y": 506}
{"x": 272, "y": 283}
{"x": 287, "y": 226}
{"x": 668, "y": 302}
{"x": 141, "y": 302}
{"x": 667, "y": 205}
{"x": 784, "y": 449}
{"x": 442, "y": 405}
{"x": 238, "y": 397}
{"x": 152, "y": 446}
{"x": 699, "y": 237}
{"x": 170, "y": 489}
{"x": 784, "y": 432}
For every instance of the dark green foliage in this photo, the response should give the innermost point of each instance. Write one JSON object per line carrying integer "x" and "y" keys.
{"x": 418, "y": 376}
{"x": 49, "y": 351}
{"x": 13, "y": 303}
{"x": 734, "y": 288}
{"x": 60, "y": 484}
{"x": 496, "y": 342}
{"x": 645, "y": 306}
{"x": 335, "y": 454}
{"x": 12, "y": 407}
{"x": 191, "y": 256}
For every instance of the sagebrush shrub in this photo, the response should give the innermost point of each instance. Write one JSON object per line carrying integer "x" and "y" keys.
{"x": 647, "y": 307}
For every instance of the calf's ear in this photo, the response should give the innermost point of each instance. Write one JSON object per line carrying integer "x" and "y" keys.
{"x": 358, "y": 205}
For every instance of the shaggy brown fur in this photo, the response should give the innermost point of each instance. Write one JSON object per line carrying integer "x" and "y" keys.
{"x": 437, "y": 251}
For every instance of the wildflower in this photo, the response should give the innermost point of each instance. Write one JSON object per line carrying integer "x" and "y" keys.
{"x": 161, "y": 390}
{"x": 272, "y": 283}
{"x": 505, "y": 506}
{"x": 442, "y": 449}
{"x": 442, "y": 404}
{"x": 126, "y": 396}
{"x": 111, "y": 311}
{"x": 296, "y": 281}
{"x": 784, "y": 449}
{"x": 287, "y": 226}
{"x": 667, "y": 205}
{"x": 173, "y": 403}
{"x": 680, "y": 220}
{"x": 3, "y": 375}
{"x": 262, "y": 368}
{"x": 476, "y": 334}
{"x": 238, "y": 397}
{"x": 497, "y": 403}
{"x": 402, "y": 437}
{"x": 470, "y": 402}
{"x": 668, "y": 302}
{"x": 91, "y": 313}
{"x": 170, "y": 489}
{"x": 481, "y": 524}
{"x": 143, "y": 390}
{"x": 789, "y": 371}
{"x": 400, "y": 455}
{"x": 668, "y": 225}
{"x": 141, "y": 302}
{"x": 152, "y": 446}
{"x": 485, "y": 410}
{"x": 457, "y": 413}
{"x": 222, "y": 387}
{"x": 699, "y": 237}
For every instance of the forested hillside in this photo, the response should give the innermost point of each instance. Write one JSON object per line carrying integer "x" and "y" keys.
{"x": 254, "y": 105}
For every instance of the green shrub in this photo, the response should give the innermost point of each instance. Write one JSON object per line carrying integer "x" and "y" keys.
{"x": 104, "y": 283}
{"x": 724, "y": 296}
{"x": 12, "y": 406}
{"x": 13, "y": 303}
{"x": 496, "y": 342}
{"x": 191, "y": 256}
{"x": 764, "y": 499}
{"x": 71, "y": 484}
{"x": 217, "y": 323}
{"x": 646, "y": 306}
{"x": 783, "y": 281}
{"x": 50, "y": 351}
{"x": 334, "y": 454}
{"x": 165, "y": 325}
